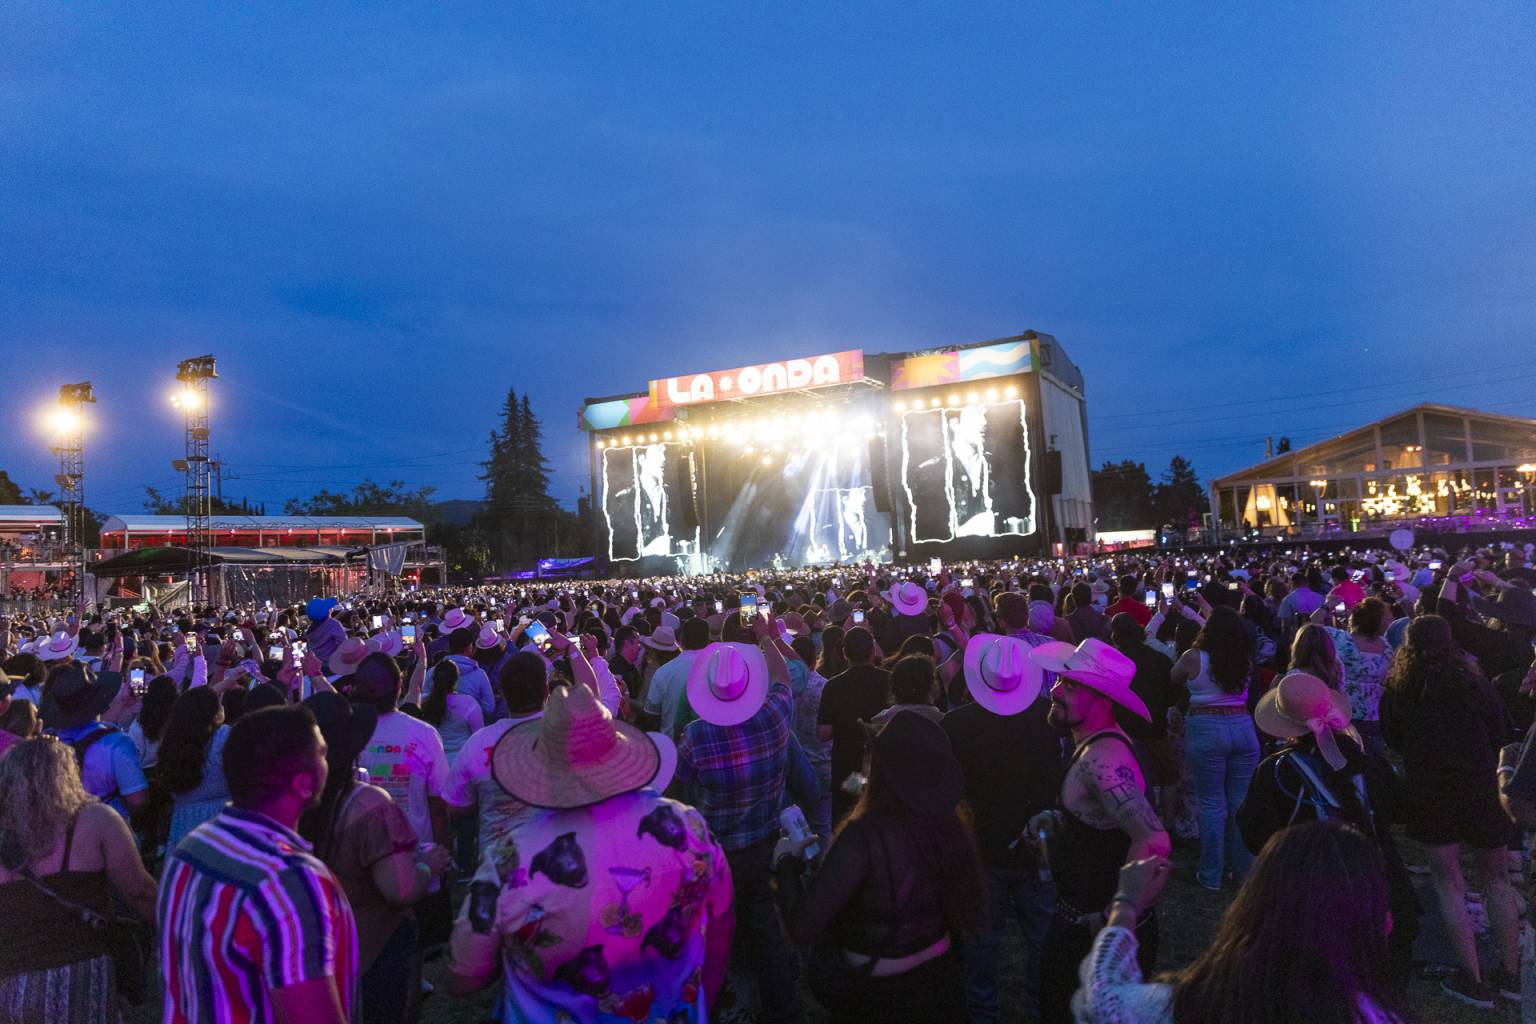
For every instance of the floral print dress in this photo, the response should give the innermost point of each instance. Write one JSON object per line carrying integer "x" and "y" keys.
{"x": 1365, "y": 675}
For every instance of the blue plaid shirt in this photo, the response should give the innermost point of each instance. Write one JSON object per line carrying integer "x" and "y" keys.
{"x": 738, "y": 770}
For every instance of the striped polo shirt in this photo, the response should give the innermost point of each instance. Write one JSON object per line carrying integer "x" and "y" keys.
{"x": 245, "y": 908}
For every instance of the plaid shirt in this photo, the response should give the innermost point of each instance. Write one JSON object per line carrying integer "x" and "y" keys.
{"x": 739, "y": 770}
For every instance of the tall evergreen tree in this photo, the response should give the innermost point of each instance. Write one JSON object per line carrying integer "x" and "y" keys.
{"x": 1123, "y": 496}
{"x": 1180, "y": 498}
{"x": 536, "y": 466}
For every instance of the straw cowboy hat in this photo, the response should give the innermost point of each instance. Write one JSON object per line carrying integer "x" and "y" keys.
{"x": 1000, "y": 673}
{"x": 59, "y": 647}
{"x": 1096, "y": 665}
{"x": 456, "y": 618}
{"x": 489, "y": 639}
{"x": 345, "y": 659}
{"x": 667, "y": 768}
{"x": 728, "y": 683}
{"x": 388, "y": 644}
{"x": 575, "y": 756}
{"x": 908, "y": 598}
{"x": 663, "y": 639}
{"x": 1301, "y": 704}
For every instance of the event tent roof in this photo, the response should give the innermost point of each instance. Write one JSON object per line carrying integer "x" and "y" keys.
{"x": 30, "y": 515}
{"x": 174, "y": 560}
{"x": 253, "y": 524}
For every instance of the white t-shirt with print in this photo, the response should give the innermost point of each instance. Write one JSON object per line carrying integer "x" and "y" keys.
{"x": 470, "y": 783}
{"x": 405, "y": 759}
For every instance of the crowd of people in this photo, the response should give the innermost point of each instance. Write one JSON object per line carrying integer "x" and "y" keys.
{"x": 702, "y": 798}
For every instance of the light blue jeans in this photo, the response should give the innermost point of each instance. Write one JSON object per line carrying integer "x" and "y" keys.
{"x": 1220, "y": 755}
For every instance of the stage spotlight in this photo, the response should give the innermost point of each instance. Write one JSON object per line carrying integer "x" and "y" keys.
{"x": 954, "y": 399}
{"x": 991, "y": 394}
{"x": 666, "y": 435}
{"x": 749, "y": 449}
{"x": 1011, "y": 392}
{"x": 971, "y": 398}
{"x": 901, "y": 407}
{"x": 933, "y": 403}
{"x": 767, "y": 459}
{"x": 624, "y": 439}
{"x": 601, "y": 445}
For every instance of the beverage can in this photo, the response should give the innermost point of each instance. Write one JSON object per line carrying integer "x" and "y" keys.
{"x": 792, "y": 818}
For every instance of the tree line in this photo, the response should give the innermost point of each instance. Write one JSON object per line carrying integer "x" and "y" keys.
{"x": 1126, "y": 498}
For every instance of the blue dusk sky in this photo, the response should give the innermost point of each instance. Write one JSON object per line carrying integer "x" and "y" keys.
{"x": 1240, "y": 220}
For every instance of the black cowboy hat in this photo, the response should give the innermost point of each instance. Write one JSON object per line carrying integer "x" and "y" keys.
{"x": 916, "y": 761}
{"x": 75, "y": 695}
{"x": 347, "y": 727}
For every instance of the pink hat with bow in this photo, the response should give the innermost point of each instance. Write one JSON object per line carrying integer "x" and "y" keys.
{"x": 1301, "y": 704}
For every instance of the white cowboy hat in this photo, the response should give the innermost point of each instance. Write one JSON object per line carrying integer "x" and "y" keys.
{"x": 59, "y": 647}
{"x": 728, "y": 683}
{"x": 664, "y": 639}
{"x": 488, "y": 639}
{"x": 1000, "y": 674}
{"x": 1398, "y": 572}
{"x": 456, "y": 618}
{"x": 388, "y": 643}
{"x": 346, "y": 657}
{"x": 668, "y": 766}
{"x": 1096, "y": 665}
{"x": 908, "y": 598}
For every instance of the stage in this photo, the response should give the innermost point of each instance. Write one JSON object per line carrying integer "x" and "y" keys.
{"x": 975, "y": 451}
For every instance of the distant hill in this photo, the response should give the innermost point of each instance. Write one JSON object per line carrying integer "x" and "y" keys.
{"x": 457, "y": 511}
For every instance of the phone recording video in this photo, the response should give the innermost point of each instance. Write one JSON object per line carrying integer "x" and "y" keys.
{"x": 748, "y": 608}
{"x": 378, "y": 622}
{"x": 408, "y": 633}
{"x": 858, "y": 616}
{"x": 136, "y": 684}
{"x": 539, "y": 634}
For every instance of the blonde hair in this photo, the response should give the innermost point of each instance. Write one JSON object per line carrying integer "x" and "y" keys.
{"x": 42, "y": 795}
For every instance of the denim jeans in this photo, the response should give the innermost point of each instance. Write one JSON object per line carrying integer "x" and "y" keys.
{"x": 1528, "y": 975}
{"x": 1033, "y": 902}
{"x": 1221, "y": 753}
{"x": 760, "y": 946}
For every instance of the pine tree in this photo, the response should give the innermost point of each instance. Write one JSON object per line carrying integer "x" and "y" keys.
{"x": 1180, "y": 498}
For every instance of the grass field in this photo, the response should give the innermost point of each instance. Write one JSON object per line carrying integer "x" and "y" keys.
{"x": 1189, "y": 915}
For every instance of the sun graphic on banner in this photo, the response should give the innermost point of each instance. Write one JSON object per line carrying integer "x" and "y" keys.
{"x": 926, "y": 371}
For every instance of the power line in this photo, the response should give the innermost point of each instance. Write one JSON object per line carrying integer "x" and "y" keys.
{"x": 1353, "y": 389}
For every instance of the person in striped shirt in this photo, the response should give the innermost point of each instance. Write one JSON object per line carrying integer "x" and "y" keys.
{"x": 253, "y": 927}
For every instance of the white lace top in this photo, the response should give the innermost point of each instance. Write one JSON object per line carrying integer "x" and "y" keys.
{"x": 1112, "y": 991}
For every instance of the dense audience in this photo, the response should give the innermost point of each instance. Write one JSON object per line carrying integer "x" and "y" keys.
{"x": 707, "y": 798}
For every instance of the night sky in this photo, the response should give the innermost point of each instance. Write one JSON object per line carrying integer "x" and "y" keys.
{"x": 1240, "y": 222}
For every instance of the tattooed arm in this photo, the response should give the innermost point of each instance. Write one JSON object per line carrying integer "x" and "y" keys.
{"x": 1112, "y": 778}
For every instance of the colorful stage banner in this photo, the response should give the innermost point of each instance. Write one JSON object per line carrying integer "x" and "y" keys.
{"x": 622, "y": 412}
{"x": 754, "y": 381}
{"x": 959, "y": 365}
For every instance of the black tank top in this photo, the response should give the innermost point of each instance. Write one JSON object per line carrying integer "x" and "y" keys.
{"x": 1086, "y": 860}
{"x": 37, "y": 932}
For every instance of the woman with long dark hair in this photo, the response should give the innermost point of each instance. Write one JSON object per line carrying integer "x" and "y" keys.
{"x": 192, "y": 761}
{"x": 833, "y": 661}
{"x": 1304, "y": 942}
{"x": 1446, "y": 721}
{"x": 901, "y": 881}
{"x": 455, "y": 716}
{"x": 1221, "y": 748}
{"x": 149, "y": 726}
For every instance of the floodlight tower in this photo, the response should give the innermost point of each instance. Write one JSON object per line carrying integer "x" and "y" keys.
{"x": 191, "y": 397}
{"x": 69, "y": 429}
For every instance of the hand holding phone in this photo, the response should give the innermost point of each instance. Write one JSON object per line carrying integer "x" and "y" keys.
{"x": 748, "y": 609}
{"x": 136, "y": 683}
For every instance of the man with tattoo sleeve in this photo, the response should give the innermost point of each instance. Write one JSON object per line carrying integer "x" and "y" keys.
{"x": 1103, "y": 819}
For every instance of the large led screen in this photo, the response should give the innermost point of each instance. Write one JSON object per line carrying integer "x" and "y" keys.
{"x": 965, "y": 472}
{"x": 648, "y": 501}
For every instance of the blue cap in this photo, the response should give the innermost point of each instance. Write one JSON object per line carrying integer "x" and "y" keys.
{"x": 319, "y": 609}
